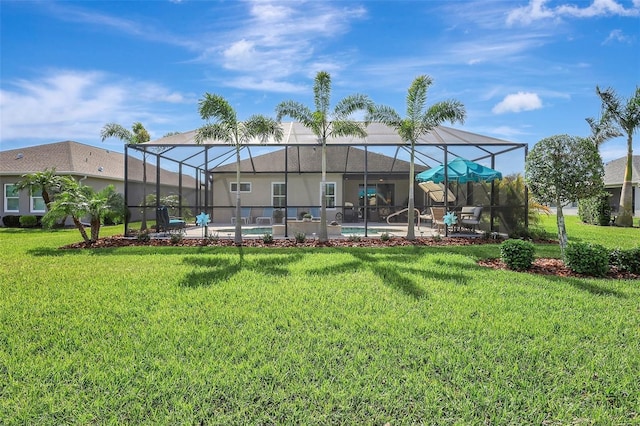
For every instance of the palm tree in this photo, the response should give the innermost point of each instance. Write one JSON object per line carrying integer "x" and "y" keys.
{"x": 226, "y": 127}
{"x": 418, "y": 123}
{"x": 46, "y": 181}
{"x": 137, "y": 135}
{"x": 79, "y": 201}
{"x": 325, "y": 124}
{"x": 619, "y": 117}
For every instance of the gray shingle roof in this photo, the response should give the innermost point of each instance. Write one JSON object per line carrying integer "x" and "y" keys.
{"x": 614, "y": 171}
{"x": 305, "y": 159}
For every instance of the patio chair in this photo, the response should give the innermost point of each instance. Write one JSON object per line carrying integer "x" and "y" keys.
{"x": 437, "y": 217}
{"x": 266, "y": 218}
{"x": 165, "y": 223}
{"x": 470, "y": 217}
{"x": 245, "y": 216}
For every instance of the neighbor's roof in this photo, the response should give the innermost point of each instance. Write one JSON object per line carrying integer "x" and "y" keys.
{"x": 308, "y": 159}
{"x": 614, "y": 171}
{"x": 77, "y": 159}
{"x": 68, "y": 158}
{"x": 377, "y": 134}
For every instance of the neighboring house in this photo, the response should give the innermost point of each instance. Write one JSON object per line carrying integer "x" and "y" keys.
{"x": 614, "y": 176}
{"x": 91, "y": 165}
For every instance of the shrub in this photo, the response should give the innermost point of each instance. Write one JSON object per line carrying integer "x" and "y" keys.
{"x": 213, "y": 238}
{"x": 517, "y": 254}
{"x": 11, "y": 221}
{"x": 595, "y": 210}
{"x": 267, "y": 238}
{"x": 144, "y": 236}
{"x": 586, "y": 258}
{"x": 354, "y": 238}
{"x": 626, "y": 260}
{"x": 28, "y": 221}
{"x": 300, "y": 237}
{"x": 385, "y": 236}
{"x": 176, "y": 238}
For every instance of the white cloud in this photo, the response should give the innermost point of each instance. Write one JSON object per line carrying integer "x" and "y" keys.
{"x": 521, "y": 101}
{"x": 67, "y": 104}
{"x": 617, "y": 36}
{"x": 537, "y": 10}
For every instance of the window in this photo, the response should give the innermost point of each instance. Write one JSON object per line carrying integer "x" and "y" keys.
{"x": 11, "y": 198}
{"x": 37, "y": 202}
{"x": 244, "y": 186}
{"x": 330, "y": 194}
{"x": 278, "y": 193}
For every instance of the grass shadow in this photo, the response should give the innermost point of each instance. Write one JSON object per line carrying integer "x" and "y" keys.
{"x": 210, "y": 271}
{"x": 585, "y": 284}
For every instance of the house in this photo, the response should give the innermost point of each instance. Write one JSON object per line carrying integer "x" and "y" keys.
{"x": 614, "y": 177}
{"x": 91, "y": 165}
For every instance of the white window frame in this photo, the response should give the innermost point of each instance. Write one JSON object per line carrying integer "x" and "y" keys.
{"x": 273, "y": 196}
{"x": 32, "y": 200}
{"x": 6, "y": 204}
{"x": 334, "y": 196}
{"x": 232, "y": 187}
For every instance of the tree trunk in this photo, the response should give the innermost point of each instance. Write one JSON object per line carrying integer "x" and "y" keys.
{"x": 238, "y": 232}
{"x": 411, "y": 233}
{"x": 323, "y": 237}
{"x": 625, "y": 215}
{"x": 562, "y": 230}
{"x": 95, "y": 229}
{"x": 80, "y": 227}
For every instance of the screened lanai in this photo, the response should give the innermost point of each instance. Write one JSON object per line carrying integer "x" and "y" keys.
{"x": 367, "y": 178}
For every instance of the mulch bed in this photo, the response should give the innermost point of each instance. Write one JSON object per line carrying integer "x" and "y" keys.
{"x": 541, "y": 266}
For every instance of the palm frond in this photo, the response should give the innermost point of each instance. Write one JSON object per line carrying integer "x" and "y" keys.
{"x": 216, "y": 107}
{"x": 450, "y": 110}
{"x": 263, "y": 128}
{"x": 348, "y": 128}
{"x": 385, "y": 115}
{"x": 216, "y": 131}
{"x": 602, "y": 130}
{"x": 350, "y": 104}
{"x": 322, "y": 91}
{"x": 114, "y": 130}
{"x": 417, "y": 96}
{"x": 296, "y": 111}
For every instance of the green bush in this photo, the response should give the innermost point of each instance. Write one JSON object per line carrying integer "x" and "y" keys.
{"x": 267, "y": 238}
{"x": 586, "y": 258}
{"x": 28, "y": 221}
{"x": 176, "y": 238}
{"x": 11, "y": 221}
{"x": 517, "y": 254}
{"x": 626, "y": 260}
{"x": 144, "y": 236}
{"x": 300, "y": 237}
{"x": 385, "y": 236}
{"x": 596, "y": 210}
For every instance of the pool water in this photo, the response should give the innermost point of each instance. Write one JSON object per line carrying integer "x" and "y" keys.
{"x": 346, "y": 230}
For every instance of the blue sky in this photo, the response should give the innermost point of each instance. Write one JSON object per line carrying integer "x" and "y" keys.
{"x": 524, "y": 70}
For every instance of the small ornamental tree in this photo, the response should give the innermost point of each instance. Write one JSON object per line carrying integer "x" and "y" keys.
{"x": 561, "y": 170}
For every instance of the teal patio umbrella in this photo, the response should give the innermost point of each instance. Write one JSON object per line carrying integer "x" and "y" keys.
{"x": 461, "y": 171}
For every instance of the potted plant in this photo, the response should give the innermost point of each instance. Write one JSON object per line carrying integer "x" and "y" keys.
{"x": 307, "y": 217}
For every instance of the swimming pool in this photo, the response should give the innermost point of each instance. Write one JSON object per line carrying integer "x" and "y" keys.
{"x": 346, "y": 230}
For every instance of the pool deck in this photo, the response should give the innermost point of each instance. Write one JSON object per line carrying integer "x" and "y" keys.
{"x": 226, "y": 230}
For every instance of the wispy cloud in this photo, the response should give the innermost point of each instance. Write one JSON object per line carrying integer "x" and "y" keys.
{"x": 74, "y": 104}
{"x": 617, "y": 36}
{"x": 518, "y": 102}
{"x": 538, "y": 10}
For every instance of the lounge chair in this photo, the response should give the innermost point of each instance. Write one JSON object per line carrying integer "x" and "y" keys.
{"x": 245, "y": 216}
{"x": 266, "y": 218}
{"x": 437, "y": 218}
{"x": 470, "y": 217}
{"x": 165, "y": 223}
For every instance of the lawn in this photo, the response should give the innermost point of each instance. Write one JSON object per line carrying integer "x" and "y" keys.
{"x": 405, "y": 335}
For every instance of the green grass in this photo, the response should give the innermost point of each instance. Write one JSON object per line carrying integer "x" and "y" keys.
{"x": 172, "y": 335}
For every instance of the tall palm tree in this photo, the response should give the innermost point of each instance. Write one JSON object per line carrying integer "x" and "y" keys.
{"x": 325, "y": 124}
{"x": 417, "y": 123}
{"x": 138, "y": 134}
{"x": 620, "y": 117}
{"x": 222, "y": 124}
